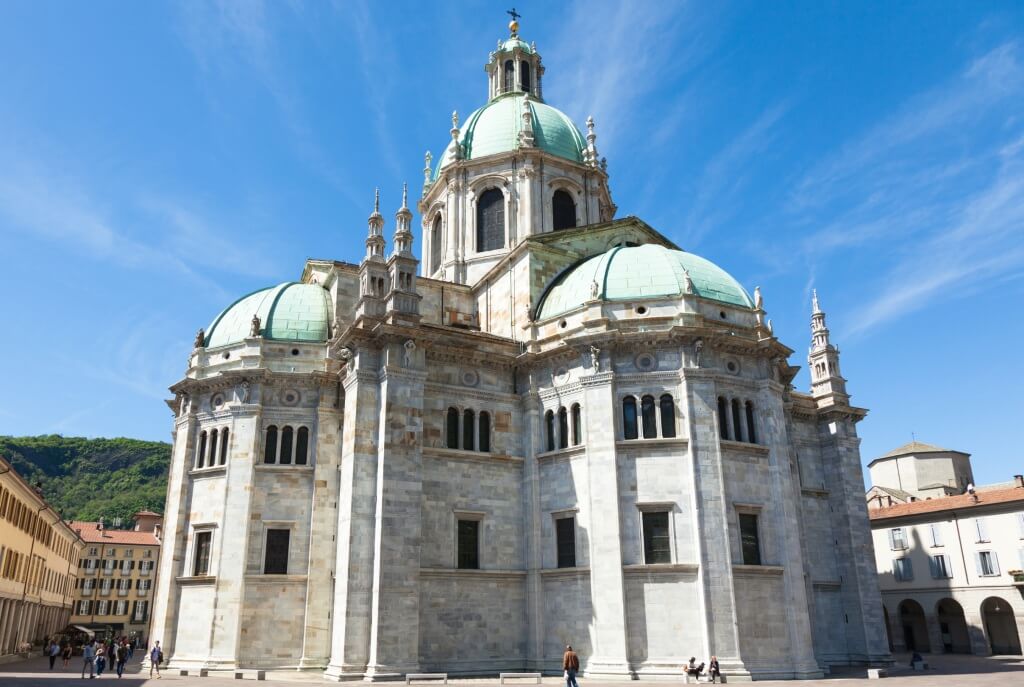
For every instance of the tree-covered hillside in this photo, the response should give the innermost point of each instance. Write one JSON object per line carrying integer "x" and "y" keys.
{"x": 87, "y": 479}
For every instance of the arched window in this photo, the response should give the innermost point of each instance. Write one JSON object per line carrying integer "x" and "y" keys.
{"x": 524, "y": 75}
{"x": 467, "y": 430}
{"x": 485, "y": 431}
{"x": 224, "y": 446}
{"x": 563, "y": 210}
{"x": 563, "y": 428}
{"x": 201, "y": 455}
{"x": 751, "y": 432}
{"x": 286, "y": 446}
{"x": 270, "y": 445}
{"x": 668, "y": 416}
{"x": 549, "y": 430}
{"x": 647, "y": 415}
{"x": 451, "y": 429}
{"x": 490, "y": 220}
{"x": 301, "y": 445}
{"x": 510, "y": 76}
{"x": 737, "y": 432}
{"x": 576, "y": 425}
{"x": 629, "y": 418}
{"x": 213, "y": 449}
{"x": 436, "y": 244}
{"x": 723, "y": 418}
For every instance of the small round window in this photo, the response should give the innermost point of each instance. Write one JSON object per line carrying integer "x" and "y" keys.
{"x": 722, "y": 314}
{"x": 640, "y": 310}
{"x": 563, "y": 324}
{"x": 646, "y": 361}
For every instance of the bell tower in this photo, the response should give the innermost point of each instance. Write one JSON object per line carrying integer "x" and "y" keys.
{"x": 824, "y": 358}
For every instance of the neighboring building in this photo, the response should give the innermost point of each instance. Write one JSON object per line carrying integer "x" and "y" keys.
{"x": 917, "y": 471}
{"x": 118, "y": 575}
{"x": 38, "y": 564}
{"x": 566, "y": 430}
{"x": 947, "y": 564}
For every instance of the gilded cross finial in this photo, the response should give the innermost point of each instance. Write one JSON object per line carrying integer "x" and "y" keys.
{"x": 513, "y": 26}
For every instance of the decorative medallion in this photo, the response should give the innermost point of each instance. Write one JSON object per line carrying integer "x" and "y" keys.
{"x": 216, "y": 401}
{"x": 469, "y": 378}
{"x": 290, "y": 397}
{"x": 646, "y": 362}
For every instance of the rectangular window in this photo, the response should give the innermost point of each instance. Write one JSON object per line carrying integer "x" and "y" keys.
{"x": 140, "y": 610}
{"x": 936, "y": 533}
{"x": 93, "y": 551}
{"x": 988, "y": 563}
{"x": 201, "y": 553}
{"x": 1020, "y": 525}
{"x": 897, "y": 539}
{"x": 565, "y": 539}
{"x": 981, "y": 530}
{"x": 83, "y": 607}
{"x": 275, "y": 560}
{"x": 121, "y": 608}
{"x": 940, "y": 568}
{"x": 902, "y": 570}
{"x": 103, "y": 607}
{"x": 657, "y": 542}
{"x": 469, "y": 544}
{"x": 750, "y": 539}
{"x": 127, "y": 553}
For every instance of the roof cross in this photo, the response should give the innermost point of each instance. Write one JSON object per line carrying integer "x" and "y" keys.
{"x": 512, "y": 13}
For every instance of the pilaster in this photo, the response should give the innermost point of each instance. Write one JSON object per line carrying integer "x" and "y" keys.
{"x": 357, "y": 495}
{"x": 607, "y": 586}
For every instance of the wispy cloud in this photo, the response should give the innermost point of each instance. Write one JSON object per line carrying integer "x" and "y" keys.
{"x": 152, "y": 234}
{"x": 612, "y": 54}
{"x": 723, "y": 179}
{"x": 934, "y": 194}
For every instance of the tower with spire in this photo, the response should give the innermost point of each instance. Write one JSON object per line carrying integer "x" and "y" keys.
{"x": 373, "y": 271}
{"x": 402, "y": 301}
{"x": 823, "y": 359}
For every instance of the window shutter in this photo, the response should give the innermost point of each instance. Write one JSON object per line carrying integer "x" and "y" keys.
{"x": 1020, "y": 554}
{"x": 933, "y": 563}
{"x": 892, "y": 543}
{"x": 979, "y": 525}
{"x": 936, "y": 534}
{"x": 995, "y": 563}
{"x": 1020, "y": 524}
{"x": 977, "y": 563}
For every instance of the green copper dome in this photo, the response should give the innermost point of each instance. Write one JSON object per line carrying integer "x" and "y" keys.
{"x": 514, "y": 42}
{"x": 495, "y": 127}
{"x": 287, "y": 312}
{"x": 638, "y": 272}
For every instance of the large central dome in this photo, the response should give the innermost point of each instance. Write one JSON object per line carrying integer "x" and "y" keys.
{"x": 495, "y": 128}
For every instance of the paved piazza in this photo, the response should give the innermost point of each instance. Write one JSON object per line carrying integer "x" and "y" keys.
{"x": 982, "y": 671}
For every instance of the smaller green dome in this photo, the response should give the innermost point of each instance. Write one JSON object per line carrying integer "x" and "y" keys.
{"x": 638, "y": 272}
{"x": 288, "y": 312}
{"x": 511, "y": 44}
{"x": 495, "y": 127}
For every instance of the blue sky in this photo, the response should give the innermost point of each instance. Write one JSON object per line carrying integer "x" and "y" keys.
{"x": 158, "y": 160}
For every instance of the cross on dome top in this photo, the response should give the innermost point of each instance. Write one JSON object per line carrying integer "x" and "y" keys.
{"x": 513, "y": 26}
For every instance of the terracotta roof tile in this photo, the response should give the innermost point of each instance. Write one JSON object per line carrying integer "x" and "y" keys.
{"x": 91, "y": 535}
{"x": 986, "y": 497}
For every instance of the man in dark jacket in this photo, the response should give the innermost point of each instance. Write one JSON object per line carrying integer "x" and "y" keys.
{"x": 571, "y": 665}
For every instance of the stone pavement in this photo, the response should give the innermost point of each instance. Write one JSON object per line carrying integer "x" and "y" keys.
{"x": 984, "y": 672}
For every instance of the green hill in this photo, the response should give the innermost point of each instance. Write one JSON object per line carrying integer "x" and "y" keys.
{"x": 86, "y": 479}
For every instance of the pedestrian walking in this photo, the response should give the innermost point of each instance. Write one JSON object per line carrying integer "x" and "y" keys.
{"x": 89, "y": 659}
{"x": 52, "y": 650}
{"x": 65, "y": 653}
{"x": 713, "y": 670}
{"x": 120, "y": 657}
{"x": 101, "y": 659}
{"x": 156, "y": 657}
{"x": 571, "y": 665}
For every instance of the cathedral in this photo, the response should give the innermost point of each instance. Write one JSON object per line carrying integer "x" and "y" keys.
{"x": 548, "y": 426}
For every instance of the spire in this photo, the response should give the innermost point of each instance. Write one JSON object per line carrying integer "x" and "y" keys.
{"x": 823, "y": 357}
{"x": 427, "y": 159}
{"x": 590, "y": 156}
{"x": 375, "y": 238}
{"x": 403, "y": 232}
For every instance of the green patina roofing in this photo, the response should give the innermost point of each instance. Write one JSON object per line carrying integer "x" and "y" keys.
{"x": 287, "y": 312}
{"x": 495, "y": 127}
{"x": 511, "y": 44}
{"x": 638, "y": 272}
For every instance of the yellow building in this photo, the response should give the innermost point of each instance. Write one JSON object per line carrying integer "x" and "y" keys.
{"x": 117, "y": 576}
{"x": 39, "y": 556}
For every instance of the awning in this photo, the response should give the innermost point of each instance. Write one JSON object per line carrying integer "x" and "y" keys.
{"x": 84, "y": 629}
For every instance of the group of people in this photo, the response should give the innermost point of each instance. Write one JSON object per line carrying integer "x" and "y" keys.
{"x": 694, "y": 670}
{"x": 571, "y": 666}
{"x": 98, "y": 655}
